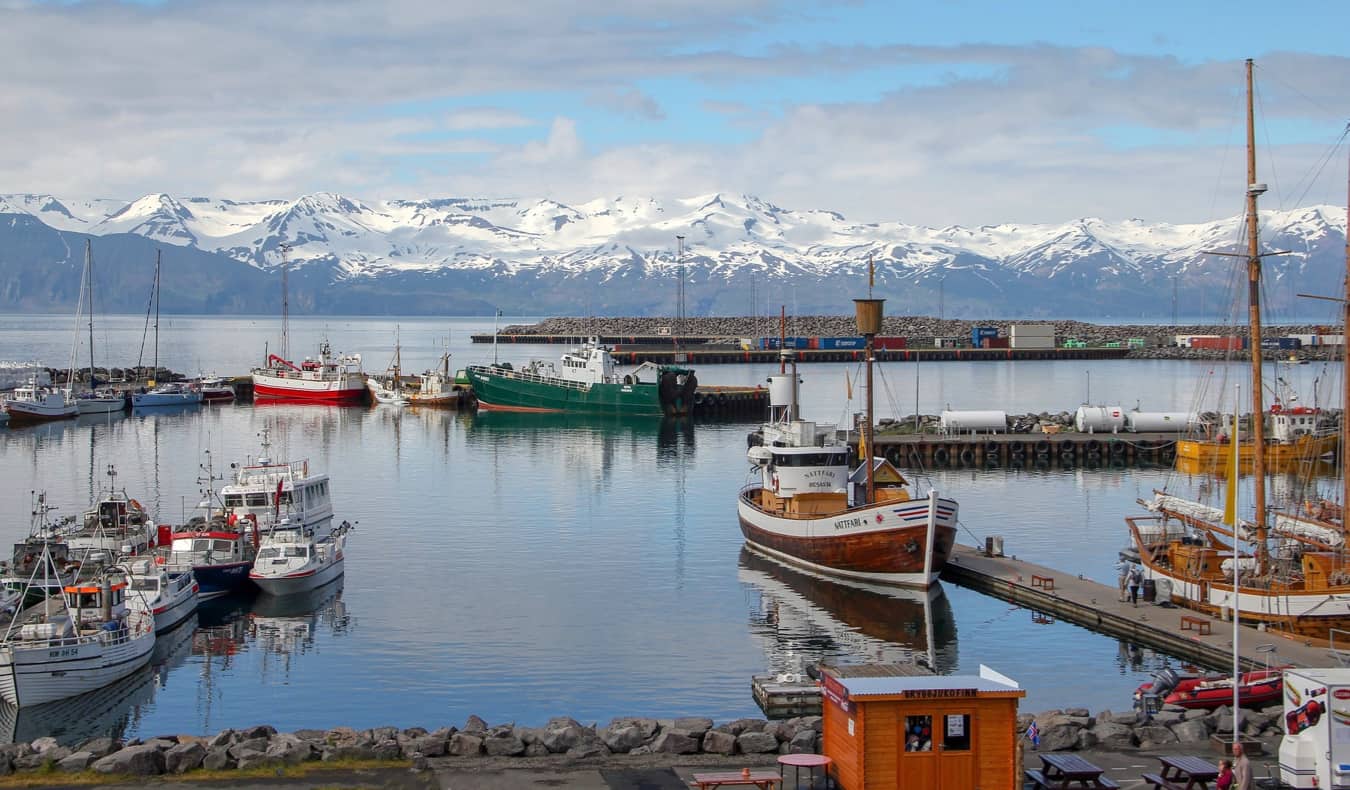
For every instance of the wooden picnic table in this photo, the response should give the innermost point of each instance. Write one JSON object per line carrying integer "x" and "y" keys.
{"x": 1066, "y": 771}
{"x": 764, "y": 780}
{"x": 809, "y": 761}
{"x": 1183, "y": 772}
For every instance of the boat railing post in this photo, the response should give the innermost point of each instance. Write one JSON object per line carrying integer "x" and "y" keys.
{"x": 932, "y": 531}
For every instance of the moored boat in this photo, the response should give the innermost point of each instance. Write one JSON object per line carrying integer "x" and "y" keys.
{"x": 327, "y": 378}
{"x": 218, "y": 549}
{"x": 808, "y": 507}
{"x": 82, "y": 640}
{"x": 100, "y": 402}
{"x": 115, "y": 526}
{"x": 170, "y": 394}
{"x": 168, "y": 594}
{"x": 1256, "y": 689}
{"x": 216, "y": 389}
{"x": 34, "y": 403}
{"x": 586, "y": 380}
{"x": 293, "y": 560}
{"x": 435, "y": 387}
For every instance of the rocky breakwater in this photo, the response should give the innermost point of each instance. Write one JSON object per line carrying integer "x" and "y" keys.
{"x": 563, "y": 738}
{"x": 1076, "y": 729}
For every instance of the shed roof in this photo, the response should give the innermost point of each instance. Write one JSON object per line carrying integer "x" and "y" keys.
{"x": 988, "y": 680}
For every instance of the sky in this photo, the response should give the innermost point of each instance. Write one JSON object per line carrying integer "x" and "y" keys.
{"x": 933, "y": 113}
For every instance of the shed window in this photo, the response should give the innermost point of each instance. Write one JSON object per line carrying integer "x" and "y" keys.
{"x": 956, "y": 732}
{"x": 918, "y": 733}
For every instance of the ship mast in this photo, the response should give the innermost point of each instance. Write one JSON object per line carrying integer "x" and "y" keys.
{"x": 1345, "y": 367}
{"x": 868, "y": 314}
{"x": 89, "y": 287}
{"x": 1254, "y": 320}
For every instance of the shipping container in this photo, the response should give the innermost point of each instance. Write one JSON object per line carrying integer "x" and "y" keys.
{"x": 979, "y": 333}
{"x": 1330, "y": 340}
{"x": 1032, "y": 330}
{"x": 1220, "y": 343}
{"x": 834, "y": 343}
{"x": 1307, "y": 340}
{"x": 1032, "y": 342}
{"x": 890, "y": 343}
{"x": 813, "y": 342}
{"x": 790, "y": 342}
{"x": 1290, "y": 343}
{"x": 994, "y": 342}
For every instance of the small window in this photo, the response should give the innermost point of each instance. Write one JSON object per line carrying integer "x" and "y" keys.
{"x": 256, "y": 500}
{"x": 956, "y": 732}
{"x": 269, "y": 553}
{"x": 224, "y": 546}
{"x": 234, "y": 500}
{"x": 918, "y": 733}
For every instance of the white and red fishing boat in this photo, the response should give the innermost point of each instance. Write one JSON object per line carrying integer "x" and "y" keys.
{"x": 809, "y": 508}
{"x": 326, "y": 378}
{"x": 216, "y": 389}
{"x": 33, "y": 403}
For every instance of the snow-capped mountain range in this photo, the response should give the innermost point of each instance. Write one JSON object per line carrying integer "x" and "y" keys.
{"x": 618, "y": 256}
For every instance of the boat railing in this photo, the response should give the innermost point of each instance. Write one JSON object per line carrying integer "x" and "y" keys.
{"x": 520, "y": 375}
{"x": 273, "y": 473}
{"x": 309, "y": 375}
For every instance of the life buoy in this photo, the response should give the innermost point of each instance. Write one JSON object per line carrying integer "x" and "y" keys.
{"x": 774, "y": 480}
{"x": 135, "y": 504}
{"x": 159, "y": 560}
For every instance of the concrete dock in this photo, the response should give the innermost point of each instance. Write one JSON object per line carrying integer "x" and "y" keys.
{"x": 1071, "y": 448}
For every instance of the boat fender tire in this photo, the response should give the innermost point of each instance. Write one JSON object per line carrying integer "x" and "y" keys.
{"x": 629, "y": 380}
{"x": 1116, "y": 449}
{"x": 893, "y": 454}
{"x": 967, "y": 455}
{"x": 1093, "y": 447}
{"x": 940, "y": 455}
{"x": 1043, "y": 447}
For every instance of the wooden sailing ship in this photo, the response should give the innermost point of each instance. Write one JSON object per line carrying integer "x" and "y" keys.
{"x": 1296, "y": 577}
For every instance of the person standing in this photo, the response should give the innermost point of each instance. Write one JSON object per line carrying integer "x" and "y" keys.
{"x": 1224, "y": 781}
{"x": 1136, "y": 579}
{"x": 1242, "y": 769}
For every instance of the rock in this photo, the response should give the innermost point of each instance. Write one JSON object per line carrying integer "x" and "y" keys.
{"x": 1087, "y": 739}
{"x": 693, "y": 727}
{"x": 804, "y": 742}
{"x": 313, "y": 736}
{"x": 415, "y": 732}
{"x": 218, "y": 758}
{"x": 536, "y": 749}
{"x": 162, "y": 743}
{"x": 34, "y": 761}
{"x": 1223, "y": 721}
{"x": 1195, "y": 713}
{"x": 1059, "y": 737}
{"x": 1167, "y": 718}
{"x": 1193, "y": 731}
{"x": 648, "y": 727}
{"x": 718, "y": 742}
{"x": 562, "y": 723}
{"x": 251, "y": 745}
{"x": 428, "y": 745}
{"x": 259, "y": 731}
{"x": 1114, "y": 736}
{"x": 1128, "y": 718}
{"x": 139, "y": 760}
{"x": 813, "y": 723}
{"x": 742, "y": 725}
{"x": 100, "y": 747}
{"x": 377, "y": 734}
{"x": 1152, "y": 735}
{"x": 561, "y": 740}
{"x": 342, "y": 735}
{"x": 462, "y": 744}
{"x": 388, "y": 749}
{"x": 588, "y": 749}
{"x": 291, "y": 750}
{"x": 475, "y": 726}
{"x": 223, "y": 738}
{"x": 78, "y": 761}
{"x": 641, "y": 750}
{"x": 503, "y": 745}
{"x": 626, "y": 739}
{"x": 43, "y": 744}
{"x": 349, "y": 751}
{"x": 674, "y": 742}
{"x": 757, "y": 742}
{"x": 184, "y": 757}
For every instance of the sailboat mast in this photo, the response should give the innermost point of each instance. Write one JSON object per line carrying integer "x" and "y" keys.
{"x": 869, "y": 324}
{"x": 157, "y": 257}
{"x": 285, "y": 303}
{"x": 89, "y": 286}
{"x": 1254, "y": 320}
{"x": 1345, "y": 367}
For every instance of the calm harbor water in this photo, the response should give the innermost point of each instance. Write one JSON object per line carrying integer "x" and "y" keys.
{"x": 519, "y": 567}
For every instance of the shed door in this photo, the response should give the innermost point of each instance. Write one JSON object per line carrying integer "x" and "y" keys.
{"x": 917, "y": 766}
{"x": 955, "y": 741}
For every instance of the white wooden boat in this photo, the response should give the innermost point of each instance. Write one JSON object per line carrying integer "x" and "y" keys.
{"x": 293, "y": 560}
{"x": 169, "y": 594}
{"x": 83, "y": 640}
{"x": 34, "y": 403}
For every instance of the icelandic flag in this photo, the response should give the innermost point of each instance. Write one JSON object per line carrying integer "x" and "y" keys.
{"x": 1034, "y": 733}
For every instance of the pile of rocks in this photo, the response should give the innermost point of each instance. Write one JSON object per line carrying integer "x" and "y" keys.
{"x": 1077, "y": 729}
{"x": 264, "y": 746}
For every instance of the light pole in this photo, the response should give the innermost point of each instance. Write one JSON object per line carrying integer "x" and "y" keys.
{"x": 942, "y": 282}
{"x": 679, "y": 288}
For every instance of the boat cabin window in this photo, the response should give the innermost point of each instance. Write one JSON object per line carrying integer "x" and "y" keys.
{"x": 269, "y": 554}
{"x": 284, "y": 497}
{"x": 234, "y": 500}
{"x": 148, "y": 585}
{"x": 256, "y": 499}
{"x": 201, "y": 544}
{"x": 297, "y": 551}
{"x": 183, "y": 544}
{"x": 224, "y": 546}
{"x": 810, "y": 459}
{"x": 83, "y": 600}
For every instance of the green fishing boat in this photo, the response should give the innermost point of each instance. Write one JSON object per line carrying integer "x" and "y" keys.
{"x": 585, "y": 381}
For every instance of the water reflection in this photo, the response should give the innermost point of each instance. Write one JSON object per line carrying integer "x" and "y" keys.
{"x": 286, "y": 625}
{"x": 109, "y": 711}
{"x": 802, "y": 618}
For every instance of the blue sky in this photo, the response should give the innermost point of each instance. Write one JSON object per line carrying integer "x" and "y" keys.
{"x": 935, "y": 113}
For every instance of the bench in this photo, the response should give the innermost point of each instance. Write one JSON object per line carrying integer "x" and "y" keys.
{"x": 1037, "y": 779}
{"x": 1110, "y": 784}
{"x": 1161, "y": 783}
{"x": 1198, "y": 624}
{"x": 1044, "y": 582}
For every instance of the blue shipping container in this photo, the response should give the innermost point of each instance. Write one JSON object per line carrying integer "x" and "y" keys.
{"x": 979, "y": 333}
{"x": 1290, "y": 343}
{"x": 842, "y": 342}
{"x": 789, "y": 342}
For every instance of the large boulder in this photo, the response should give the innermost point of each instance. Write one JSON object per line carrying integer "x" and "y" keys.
{"x": 463, "y": 744}
{"x": 252, "y": 747}
{"x": 1059, "y": 734}
{"x": 184, "y": 757}
{"x": 1117, "y": 737}
{"x": 78, "y": 761}
{"x": 218, "y": 758}
{"x": 717, "y": 742}
{"x": 674, "y": 742}
{"x": 1193, "y": 731}
{"x": 475, "y": 726}
{"x": 1152, "y": 735}
{"x": 561, "y": 739}
{"x": 100, "y": 747}
{"x": 648, "y": 727}
{"x": 693, "y": 727}
{"x": 804, "y": 742}
{"x": 429, "y": 745}
{"x": 588, "y": 748}
{"x": 259, "y": 731}
{"x": 624, "y": 739}
{"x": 290, "y": 750}
{"x": 136, "y": 760}
{"x": 739, "y": 726}
{"x": 43, "y": 744}
{"x": 757, "y": 742}
{"x": 503, "y": 744}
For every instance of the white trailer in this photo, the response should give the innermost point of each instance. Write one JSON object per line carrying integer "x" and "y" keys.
{"x": 1315, "y": 750}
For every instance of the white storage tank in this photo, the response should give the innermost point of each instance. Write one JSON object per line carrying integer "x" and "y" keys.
{"x": 1159, "y": 421}
{"x": 974, "y": 421}
{"x": 1099, "y": 419}
{"x": 780, "y": 390}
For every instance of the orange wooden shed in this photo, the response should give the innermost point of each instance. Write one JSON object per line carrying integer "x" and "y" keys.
{"x": 921, "y": 731}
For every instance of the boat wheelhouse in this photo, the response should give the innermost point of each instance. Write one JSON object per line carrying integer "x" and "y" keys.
{"x": 169, "y": 594}
{"x": 327, "y": 378}
{"x": 115, "y": 526}
{"x": 293, "y": 559}
{"x": 34, "y": 403}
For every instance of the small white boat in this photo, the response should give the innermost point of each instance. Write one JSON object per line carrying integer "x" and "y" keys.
{"x": 115, "y": 527}
{"x": 381, "y": 394}
{"x": 293, "y": 560}
{"x": 216, "y": 389}
{"x": 100, "y": 402}
{"x": 33, "y": 403}
{"x": 173, "y": 394}
{"x": 80, "y": 641}
{"x": 167, "y": 593}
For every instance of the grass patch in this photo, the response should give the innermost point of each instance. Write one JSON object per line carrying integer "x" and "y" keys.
{"x": 49, "y": 775}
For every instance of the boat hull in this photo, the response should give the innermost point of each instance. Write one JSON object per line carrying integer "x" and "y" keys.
{"x": 499, "y": 390}
{"x": 100, "y": 405}
{"x": 32, "y": 675}
{"x": 213, "y": 581}
{"x": 348, "y": 390}
{"x": 303, "y": 581}
{"x": 217, "y": 396}
{"x": 24, "y": 411}
{"x": 1304, "y": 448}
{"x": 152, "y": 399}
{"x": 858, "y": 543}
{"x": 172, "y": 613}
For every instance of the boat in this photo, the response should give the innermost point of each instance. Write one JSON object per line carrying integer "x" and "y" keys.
{"x": 114, "y": 527}
{"x": 585, "y": 380}
{"x": 173, "y": 393}
{"x": 389, "y": 388}
{"x": 292, "y": 559}
{"x": 263, "y": 489}
{"x": 328, "y": 378}
{"x": 1295, "y": 577}
{"x": 216, "y": 389}
{"x": 436, "y": 387}
{"x": 93, "y": 400}
{"x": 35, "y": 403}
{"x": 216, "y": 543}
{"x": 169, "y": 393}
{"x": 167, "y": 593}
{"x": 810, "y": 508}
{"x": 20, "y": 587}
{"x": 1256, "y": 689}
{"x": 82, "y": 640}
